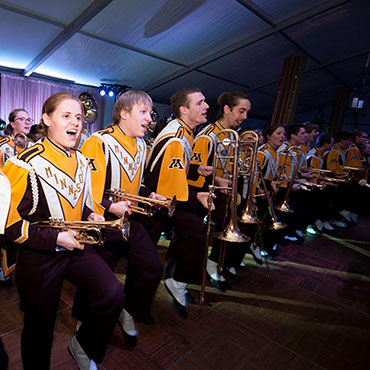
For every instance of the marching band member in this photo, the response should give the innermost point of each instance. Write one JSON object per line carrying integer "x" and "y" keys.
{"x": 234, "y": 107}
{"x": 335, "y": 159}
{"x": 316, "y": 160}
{"x": 19, "y": 123}
{"x": 52, "y": 180}
{"x": 117, "y": 158}
{"x": 297, "y": 137}
{"x": 312, "y": 132}
{"x": 5, "y": 204}
{"x": 357, "y": 159}
{"x": 268, "y": 157}
{"x": 166, "y": 174}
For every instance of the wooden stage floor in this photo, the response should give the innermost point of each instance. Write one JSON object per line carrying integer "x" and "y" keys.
{"x": 310, "y": 310}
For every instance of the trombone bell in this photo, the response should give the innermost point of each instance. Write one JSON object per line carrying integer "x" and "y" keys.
{"x": 232, "y": 234}
{"x": 277, "y": 225}
{"x": 284, "y": 207}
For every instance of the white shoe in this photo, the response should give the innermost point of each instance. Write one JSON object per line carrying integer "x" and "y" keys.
{"x": 327, "y": 226}
{"x": 311, "y": 231}
{"x": 299, "y": 233}
{"x": 177, "y": 289}
{"x": 79, "y": 323}
{"x": 346, "y": 215}
{"x": 319, "y": 225}
{"x": 264, "y": 253}
{"x": 212, "y": 270}
{"x": 354, "y": 217}
{"x": 79, "y": 355}
{"x": 275, "y": 247}
{"x": 339, "y": 224}
{"x": 291, "y": 238}
{"x": 127, "y": 323}
{"x": 256, "y": 251}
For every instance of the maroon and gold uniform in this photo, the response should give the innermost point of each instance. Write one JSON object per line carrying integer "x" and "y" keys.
{"x": 8, "y": 148}
{"x": 117, "y": 161}
{"x": 169, "y": 161}
{"x": 356, "y": 158}
{"x": 203, "y": 151}
{"x": 47, "y": 181}
{"x": 268, "y": 159}
{"x": 166, "y": 174}
{"x": 335, "y": 160}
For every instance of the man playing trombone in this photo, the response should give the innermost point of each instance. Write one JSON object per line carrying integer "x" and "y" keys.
{"x": 234, "y": 107}
{"x": 117, "y": 157}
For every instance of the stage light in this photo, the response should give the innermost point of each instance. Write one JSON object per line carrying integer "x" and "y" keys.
{"x": 111, "y": 93}
{"x": 102, "y": 91}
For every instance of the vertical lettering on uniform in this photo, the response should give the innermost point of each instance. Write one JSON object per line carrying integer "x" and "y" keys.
{"x": 48, "y": 172}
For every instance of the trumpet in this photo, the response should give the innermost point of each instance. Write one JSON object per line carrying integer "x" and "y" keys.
{"x": 150, "y": 205}
{"x": 89, "y": 231}
{"x": 20, "y": 141}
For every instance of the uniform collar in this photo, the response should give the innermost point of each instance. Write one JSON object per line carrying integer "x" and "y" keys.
{"x": 185, "y": 125}
{"x": 56, "y": 148}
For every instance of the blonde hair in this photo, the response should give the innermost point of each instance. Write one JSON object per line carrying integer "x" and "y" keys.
{"x": 126, "y": 102}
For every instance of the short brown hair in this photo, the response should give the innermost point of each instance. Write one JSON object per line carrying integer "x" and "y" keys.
{"x": 126, "y": 102}
{"x": 51, "y": 104}
{"x": 9, "y": 129}
{"x": 310, "y": 126}
{"x": 180, "y": 99}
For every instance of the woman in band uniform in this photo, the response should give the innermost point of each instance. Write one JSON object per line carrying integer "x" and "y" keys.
{"x": 51, "y": 179}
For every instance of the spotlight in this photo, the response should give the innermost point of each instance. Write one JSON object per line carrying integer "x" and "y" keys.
{"x": 102, "y": 91}
{"x": 111, "y": 93}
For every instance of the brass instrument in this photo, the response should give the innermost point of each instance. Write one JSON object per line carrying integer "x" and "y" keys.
{"x": 352, "y": 169}
{"x": 20, "y": 141}
{"x": 89, "y": 231}
{"x": 150, "y": 205}
{"x": 276, "y": 224}
{"x": 307, "y": 185}
{"x": 249, "y": 149}
{"x": 150, "y": 134}
{"x": 90, "y": 106}
{"x": 328, "y": 177}
{"x": 284, "y": 204}
{"x": 227, "y": 149}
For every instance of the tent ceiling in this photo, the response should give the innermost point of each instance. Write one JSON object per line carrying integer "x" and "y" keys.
{"x": 163, "y": 45}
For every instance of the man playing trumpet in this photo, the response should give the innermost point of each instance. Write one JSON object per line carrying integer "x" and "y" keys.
{"x": 117, "y": 158}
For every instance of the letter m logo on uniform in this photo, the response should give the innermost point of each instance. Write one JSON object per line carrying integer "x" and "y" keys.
{"x": 176, "y": 163}
{"x": 90, "y": 162}
{"x": 196, "y": 157}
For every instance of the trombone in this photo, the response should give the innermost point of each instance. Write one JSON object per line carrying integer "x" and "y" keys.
{"x": 89, "y": 231}
{"x": 150, "y": 205}
{"x": 227, "y": 146}
{"x": 226, "y": 152}
{"x": 248, "y": 160}
{"x": 292, "y": 151}
{"x": 276, "y": 224}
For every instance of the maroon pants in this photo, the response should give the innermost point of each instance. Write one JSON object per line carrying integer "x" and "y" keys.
{"x": 144, "y": 270}
{"x": 184, "y": 259}
{"x": 39, "y": 277}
